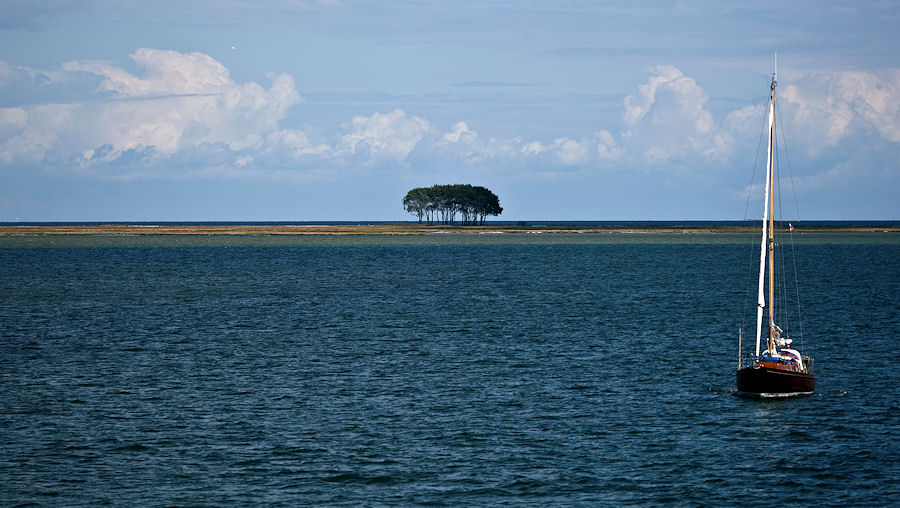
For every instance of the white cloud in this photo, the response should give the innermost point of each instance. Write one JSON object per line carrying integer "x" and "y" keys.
{"x": 535, "y": 148}
{"x": 566, "y": 151}
{"x": 181, "y": 101}
{"x": 30, "y": 132}
{"x": 12, "y": 120}
{"x": 459, "y": 133}
{"x": 607, "y": 148}
{"x": 503, "y": 148}
{"x": 638, "y": 105}
{"x": 296, "y": 142}
{"x": 572, "y": 152}
{"x": 746, "y": 121}
{"x": 666, "y": 119}
{"x": 393, "y": 135}
{"x": 165, "y": 73}
{"x": 184, "y": 111}
{"x": 822, "y": 111}
{"x": 830, "y": 106}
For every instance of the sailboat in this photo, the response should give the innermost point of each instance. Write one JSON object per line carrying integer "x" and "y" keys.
{"x": 779, "y": 370}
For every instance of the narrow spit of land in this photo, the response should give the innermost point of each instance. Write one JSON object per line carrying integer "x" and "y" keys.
{"x": 386, "y": 229}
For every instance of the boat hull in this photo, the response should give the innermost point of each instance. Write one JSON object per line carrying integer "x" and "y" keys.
{"x": 763, "y": 381}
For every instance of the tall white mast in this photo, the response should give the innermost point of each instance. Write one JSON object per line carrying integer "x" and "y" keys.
{"x": 761, "y": 297}
{"x": 771, "y": 165}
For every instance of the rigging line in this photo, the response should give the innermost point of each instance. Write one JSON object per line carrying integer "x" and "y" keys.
{"x": 754, "y": 250}
{"x": 797, "y": 293}
{"x": 762, "y": 134}
{"x": 787, "y": 159}
{"x": 784, "y": 312}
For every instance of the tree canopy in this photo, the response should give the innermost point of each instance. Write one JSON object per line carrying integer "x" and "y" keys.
{"x": 442, "y": 203}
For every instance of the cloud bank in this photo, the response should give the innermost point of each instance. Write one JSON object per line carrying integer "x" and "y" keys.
{"x": 184, "y": 113}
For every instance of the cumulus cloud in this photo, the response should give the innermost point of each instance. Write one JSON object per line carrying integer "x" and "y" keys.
{"x": 566, "y": 151}
{"x": 822, "y": 111}
{"x": 32, "y": 131}
{"x": 296, "y": 142}
{"x": 398, "y": 136}
{"x": 180, "y": 101}
{"x": 830, "y": 106}
{"x": 667, "y": 119}
{"x": 393, "y": 135}
{"x": 165, "y": 73}
{"x": 185, "y": 111}
{"x": 184, "y": 100}
{"x": 187, "y": 106}
{"x": 459, "y": 133}
{"x": 607, "y": 147}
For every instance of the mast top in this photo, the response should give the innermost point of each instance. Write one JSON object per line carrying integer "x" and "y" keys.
{"x": 775, "y": 72}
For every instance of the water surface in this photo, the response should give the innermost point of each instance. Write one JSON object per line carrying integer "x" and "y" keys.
{"x": 442, "y": 369}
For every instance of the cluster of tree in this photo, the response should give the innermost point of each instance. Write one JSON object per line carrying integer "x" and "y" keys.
{"x": 442, "y": 203}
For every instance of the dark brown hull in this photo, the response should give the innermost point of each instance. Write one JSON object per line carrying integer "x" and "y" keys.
{"x": 767, "y": 382}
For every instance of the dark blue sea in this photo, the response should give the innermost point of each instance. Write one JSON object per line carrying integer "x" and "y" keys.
{"x": 517, "y": 369}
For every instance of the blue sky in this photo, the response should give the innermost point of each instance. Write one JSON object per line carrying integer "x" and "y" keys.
{"x": 332, "y": 110}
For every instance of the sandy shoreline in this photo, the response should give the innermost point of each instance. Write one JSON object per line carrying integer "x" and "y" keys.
{"x": 390, "y": 229}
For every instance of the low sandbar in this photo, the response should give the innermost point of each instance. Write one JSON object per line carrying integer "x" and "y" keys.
{"x": 399, "y": 228}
